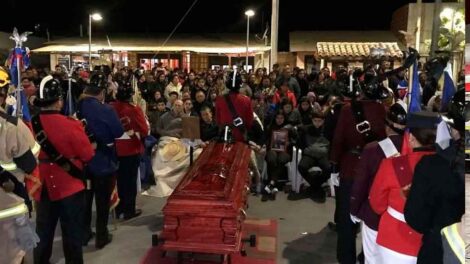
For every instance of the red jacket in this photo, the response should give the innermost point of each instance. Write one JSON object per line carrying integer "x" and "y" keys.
{"x": 290, "y": 95}
{"x": 386, "y": 192}
{"x": 132, "y": 119}
{"x": 243, "y": 107}
{"x": 347, "y": 139}
{"x": 69, "y": 138}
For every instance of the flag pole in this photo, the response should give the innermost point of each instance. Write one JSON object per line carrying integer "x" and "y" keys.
{"x": 410, "y": 85}
{"x": 17, "y": 51}
{"x": 19, "y": 109}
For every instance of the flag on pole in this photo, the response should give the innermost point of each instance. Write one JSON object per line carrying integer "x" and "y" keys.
{"x": 415, "y": 94}
{"x": 448, "y": 90}
{"x": 20, "y": 55}
{"x": 414, "y": 105}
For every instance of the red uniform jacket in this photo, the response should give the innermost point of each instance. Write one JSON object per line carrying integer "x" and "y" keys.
{"x": 132, "y": 119}
{"x": 290, "y": 96}
{"x": 386, "y": 192}
{"x": 244, "y": 109}
{"x": 346, "y": 138}
{"x": 69, "y": 138}
{"x": 364, "y": 175}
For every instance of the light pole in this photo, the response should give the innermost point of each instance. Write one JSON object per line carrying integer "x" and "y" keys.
{"x": 249, "y": 13}
{"x": 95, "y": 17}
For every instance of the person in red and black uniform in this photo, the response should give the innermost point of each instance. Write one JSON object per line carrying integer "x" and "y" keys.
{"x": 241, "y": 121}
{"x": 62, "y": 194}
{"x": 129, "y": 149}
{"x": 347, "y": 145}
{"x": 398, "y": 241}
{"x": 364, "y": 175}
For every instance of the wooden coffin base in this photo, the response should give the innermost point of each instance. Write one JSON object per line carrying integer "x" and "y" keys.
{"x": 224, "y": 250}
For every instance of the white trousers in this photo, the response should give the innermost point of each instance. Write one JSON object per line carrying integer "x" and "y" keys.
{"x": 369, "y": 245}
{"x": 388, "y": 256}
{"x": 10, "y": 252}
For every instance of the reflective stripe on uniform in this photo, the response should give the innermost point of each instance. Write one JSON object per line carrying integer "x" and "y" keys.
{"x": 11, "y": 166}
{"x": 35, "y": 150}
{"x": 16, "y": 210}
{"x": 455, "y": 241}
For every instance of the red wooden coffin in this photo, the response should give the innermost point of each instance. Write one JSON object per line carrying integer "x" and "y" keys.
{"x": 205, "y": 213}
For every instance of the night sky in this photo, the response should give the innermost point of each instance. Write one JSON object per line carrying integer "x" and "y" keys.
{"x": 137, "y": 16}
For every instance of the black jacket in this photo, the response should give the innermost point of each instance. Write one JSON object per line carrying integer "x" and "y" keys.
{"x": 209, "y": 131}
{"x": 436, "y": 200}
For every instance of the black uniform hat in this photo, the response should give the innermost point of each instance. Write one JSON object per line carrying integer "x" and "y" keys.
{"x": 98, "y": 83}
{"x": 457, "y": 110}
{"x": 234, "y": 81}
{"x": 124, "y": 91}
{"x": 49, "y": 92}
{"x": 397, "y": 114}
{"x": 423, "y": 119}
{"x": 343, "y": 84}
{"x": 435, "y": 66}
{"x": 372, "y": 87}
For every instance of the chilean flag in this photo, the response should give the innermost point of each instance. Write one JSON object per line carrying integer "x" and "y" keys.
{"x": 449, "y": 88}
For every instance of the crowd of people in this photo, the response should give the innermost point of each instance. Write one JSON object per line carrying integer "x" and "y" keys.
{"x": 349, "y": 127}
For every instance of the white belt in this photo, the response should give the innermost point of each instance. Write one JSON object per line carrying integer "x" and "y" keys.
{"x": 395, "y": 214}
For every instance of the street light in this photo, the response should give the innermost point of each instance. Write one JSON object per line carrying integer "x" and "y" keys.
{"x": 249, "y": 13}
{"x": 95, "y": 17}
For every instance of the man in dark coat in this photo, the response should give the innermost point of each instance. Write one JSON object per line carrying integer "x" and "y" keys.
{"x": 209, "y": 129}
{"x": 437, "y": 195}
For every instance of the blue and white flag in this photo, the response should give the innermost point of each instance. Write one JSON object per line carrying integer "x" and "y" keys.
{"x": 448, "y": 90}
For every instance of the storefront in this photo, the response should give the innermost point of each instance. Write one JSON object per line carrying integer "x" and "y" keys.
{"x": 190, "y": 52}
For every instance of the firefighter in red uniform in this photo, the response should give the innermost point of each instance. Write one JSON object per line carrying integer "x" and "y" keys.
{"x": 129, "y": 149}
{"x": 360, "y": 122}
{"x": 65, "y": 149}
{"x": 398, "y": 242}
{"x": 234, "y": 110}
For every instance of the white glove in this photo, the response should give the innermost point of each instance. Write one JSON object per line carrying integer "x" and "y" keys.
{"x": 354, "y": 219}
{"x": 334, "y": 177}
{"x": 333, "y": 181}
{"x": 25, "y": 235}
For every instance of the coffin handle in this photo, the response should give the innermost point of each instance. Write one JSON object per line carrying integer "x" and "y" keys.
{"x": 243, "y": 212}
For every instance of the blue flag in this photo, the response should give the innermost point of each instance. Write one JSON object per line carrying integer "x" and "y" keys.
{"x": 415, "y": 95}
{"x": 23, "y": 57}
{"x": 448, "y": 90}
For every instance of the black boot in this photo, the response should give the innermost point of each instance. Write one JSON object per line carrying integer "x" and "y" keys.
{"x": 319, "y": 195}
{"x": 103, "y": 241}
{"x": 87, "y": 237}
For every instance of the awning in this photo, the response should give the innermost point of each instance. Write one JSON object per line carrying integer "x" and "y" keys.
{"x": 96, "y": 48}
{"x": 359, "y": 49}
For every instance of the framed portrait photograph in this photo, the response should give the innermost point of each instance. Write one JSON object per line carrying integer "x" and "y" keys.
{"x": 279, "y": 140}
